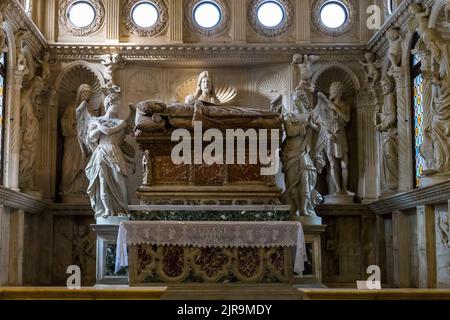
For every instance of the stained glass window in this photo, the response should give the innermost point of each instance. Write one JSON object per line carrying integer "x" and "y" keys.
{"x": 417, "y": 114}
{"x": 2, "y": 108}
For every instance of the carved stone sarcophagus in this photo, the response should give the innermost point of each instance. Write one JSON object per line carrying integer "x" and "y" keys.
{"x": 249, "y": 134}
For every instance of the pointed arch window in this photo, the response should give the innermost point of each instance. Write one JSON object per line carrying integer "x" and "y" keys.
{"x": 417, "y": 112}
{"x": 2, "y": 110}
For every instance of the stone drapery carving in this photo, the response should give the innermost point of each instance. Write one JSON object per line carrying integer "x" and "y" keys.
{"x": 302, "y": 155}
{"x": 440, "y": 109}
{"x": 372, "y": 68}
{"x": 112, "y": 157}
{"x": 386, "y": 124}
{"x": 336, "y": 114}
{"x": 30, "y": 133}
{"x": 74, "y": 182}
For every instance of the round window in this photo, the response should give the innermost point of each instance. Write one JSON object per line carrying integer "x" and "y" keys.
{"x": 207, "y": 14}
{"x": 333, "y": 14}
{"x": 81, "y": 14}
{"x": 145, "y": 14}
{"x": 270, "y": 13}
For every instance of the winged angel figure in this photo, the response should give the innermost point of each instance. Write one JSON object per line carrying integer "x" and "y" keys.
{"x": 112, "y": 158}
{"x": 302, "y": 155}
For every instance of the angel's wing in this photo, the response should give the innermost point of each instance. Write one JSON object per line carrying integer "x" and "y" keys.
{"x": 83, "y": 121}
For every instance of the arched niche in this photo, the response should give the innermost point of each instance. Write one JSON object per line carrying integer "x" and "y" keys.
{"x": 322, "y": 79}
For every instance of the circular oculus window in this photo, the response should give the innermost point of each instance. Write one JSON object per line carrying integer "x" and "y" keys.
{"x": 81, "y": 14}
{"x": 144, "y": 14}
{"x": 207, "y": 14}
{"x": 333, "y": 14}
{"x": 270, "y": 14}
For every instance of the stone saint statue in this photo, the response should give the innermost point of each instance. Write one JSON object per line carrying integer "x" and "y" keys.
{"x": 440, "y": 109}
{"x": 337, "y": 116}
{"x": 30, "y": 133}
{"x": 74, "y": 182}
{"x": 302, "y": 156}
{"x": 112, "y": 158}
{"x": 386, "y": 124}
{"x": 205, "y": 91}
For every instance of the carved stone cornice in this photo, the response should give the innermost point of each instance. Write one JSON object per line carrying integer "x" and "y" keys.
{"x": 70, "y": 209}
{"x": 436, "y": 194}
{"x": 233, "y": 53}
{"x": 18, "y": 200}
{"x": 19, "y": 19}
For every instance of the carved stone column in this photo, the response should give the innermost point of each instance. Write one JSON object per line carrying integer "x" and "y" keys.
{"x": 426, "y": 246}
{"x": 13, "y": 130}
{"x": 50, "y": 26}
{"x": 176, "y": 21}
{"x": 367, "y": 105}
{"x": 304, "y": 24}
{"x": 400, "y": 246}
{"x": 239, "y": 20}
{"x": 405, "y": 152}
{"x": 112, "y": 21}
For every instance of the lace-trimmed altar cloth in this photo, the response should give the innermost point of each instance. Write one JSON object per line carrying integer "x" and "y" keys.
{"x": 212, "y": 234}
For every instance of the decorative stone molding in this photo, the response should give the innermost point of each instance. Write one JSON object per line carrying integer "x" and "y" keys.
{"x": 219, "y": 29}
{"x": 94, "y": 27}
{"x": 18, "y": 200}
{"x": 157, "y": 28}
{"x": 435, "y": 194}
{"x": 239, "y": 53}
{"x": 320, "y": 27}
{"x": 265, "y": 31}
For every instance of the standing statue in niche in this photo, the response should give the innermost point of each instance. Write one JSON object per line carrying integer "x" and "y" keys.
{"x": 30, "y": 134}
{"x": 112, "y": 159}
{"x": 74, "y": 182}
{"x": 440, "y": 109}
{"x": 336, "y": 114}
{"x": 386, "y": 124}
{"x": 302, "y": 156}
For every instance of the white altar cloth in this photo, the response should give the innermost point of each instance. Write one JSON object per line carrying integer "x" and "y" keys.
{"x": 212, "y": 234}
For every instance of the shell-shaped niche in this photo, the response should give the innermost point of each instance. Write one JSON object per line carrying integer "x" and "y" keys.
{"x": 335, "y": 74}
{"x": 272, "y": 85}
{"x": 71, "y": 81}
{"x": 224, "y": 91}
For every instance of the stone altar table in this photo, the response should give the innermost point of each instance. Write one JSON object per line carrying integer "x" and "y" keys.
{"x": 210, "y": 251}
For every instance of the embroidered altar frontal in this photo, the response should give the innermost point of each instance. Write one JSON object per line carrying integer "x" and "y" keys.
{"x": 175, "y": 252}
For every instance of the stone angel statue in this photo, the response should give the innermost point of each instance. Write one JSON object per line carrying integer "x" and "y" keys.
{"x": 302, "y": 155}
{"x": 112, "y": 159}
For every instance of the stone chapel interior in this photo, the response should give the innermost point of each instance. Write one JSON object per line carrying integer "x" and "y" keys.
{"x": 356, "y": 94}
